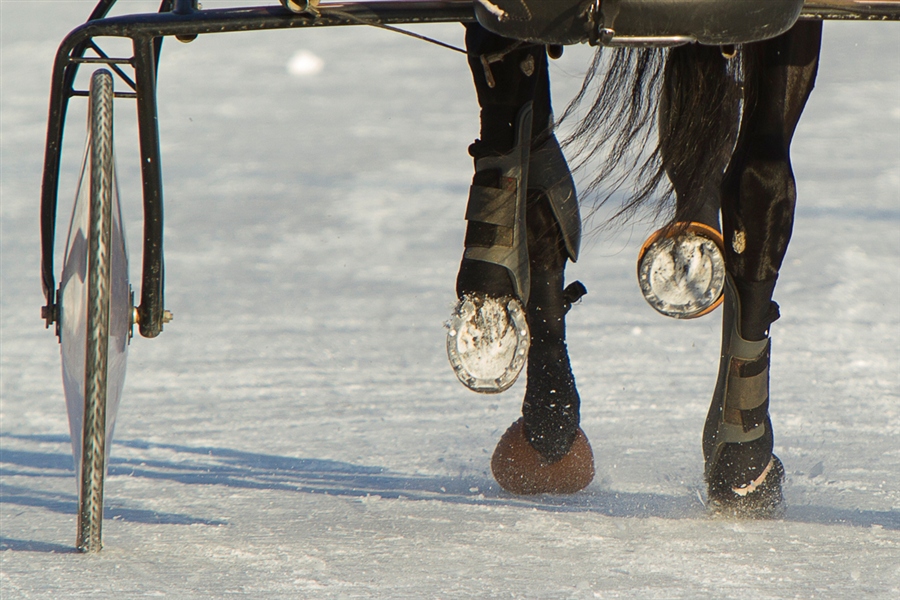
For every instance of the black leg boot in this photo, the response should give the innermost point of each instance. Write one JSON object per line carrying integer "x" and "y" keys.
{"x": 743, "y": 477}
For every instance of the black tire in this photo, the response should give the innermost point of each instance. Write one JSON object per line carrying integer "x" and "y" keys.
{"x": 93, "y": 454}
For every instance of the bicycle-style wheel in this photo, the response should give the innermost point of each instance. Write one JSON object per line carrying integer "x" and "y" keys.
{"x": 95, "y": 313}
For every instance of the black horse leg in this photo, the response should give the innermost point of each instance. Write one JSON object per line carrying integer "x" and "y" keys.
{"x": 488, "y": 338}
{"x": 681, "y": 268}
{"x": 759, "y": 194}
{"x": 545, "y": 451}
{"x": 551, "y": 407}
{"x": 698, "y": 122}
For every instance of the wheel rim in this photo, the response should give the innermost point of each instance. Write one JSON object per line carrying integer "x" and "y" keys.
{"x": 95, "y": 313}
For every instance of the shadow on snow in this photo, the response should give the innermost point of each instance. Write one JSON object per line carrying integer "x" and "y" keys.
{"x": 249, "y": 470}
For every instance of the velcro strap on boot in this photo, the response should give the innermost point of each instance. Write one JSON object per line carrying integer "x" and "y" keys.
{"x": 747, "y": 395}
{"x": 730, "y": 433}
{"x": 748, "y": 382}
{"x": 492, "y": 205}
{"x": 496, "y": 232}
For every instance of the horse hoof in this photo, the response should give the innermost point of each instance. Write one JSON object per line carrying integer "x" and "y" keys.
{"x": 681, "y": 270}
{"x": 520, "y": 469}
{"x": 759, "y": 500}
{"x": 487, "y": 342}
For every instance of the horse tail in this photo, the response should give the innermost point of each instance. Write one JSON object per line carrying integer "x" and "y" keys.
{"x": 611, "y": 143}
{"x": 699, "y": 119}
{"x": 661, "y": 122}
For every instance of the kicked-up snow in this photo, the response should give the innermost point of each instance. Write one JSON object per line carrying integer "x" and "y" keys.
{"x": 297, "y": 432}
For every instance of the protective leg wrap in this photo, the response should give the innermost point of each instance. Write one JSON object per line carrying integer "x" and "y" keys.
{"x": 549, "y": 174}
{"x": 743, "y": 477}
{"x": 501, "y": 211}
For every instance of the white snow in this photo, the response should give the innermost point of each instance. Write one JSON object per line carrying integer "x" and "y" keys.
{"x": 304, "y": 63}
{"x": 296, "y": 432}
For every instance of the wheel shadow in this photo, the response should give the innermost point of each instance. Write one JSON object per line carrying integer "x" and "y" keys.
{"x": 7, "y": 543}
{"x": 212, "y": 466}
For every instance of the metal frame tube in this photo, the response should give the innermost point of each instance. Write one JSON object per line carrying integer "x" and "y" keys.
{"x": 59, "y": 101}
{"x": 150, "y": 312}
{"x": 146, "y": 32}
{"x": 856, "y": 10}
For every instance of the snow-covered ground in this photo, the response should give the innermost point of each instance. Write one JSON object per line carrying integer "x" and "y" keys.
{"x": 297, "y": 432}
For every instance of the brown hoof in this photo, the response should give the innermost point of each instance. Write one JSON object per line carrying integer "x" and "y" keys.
{"x": 520, "y": 469}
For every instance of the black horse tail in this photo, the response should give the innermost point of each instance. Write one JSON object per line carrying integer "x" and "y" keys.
{"x": 659, "y": 131}
{"x": 612, "y": 146}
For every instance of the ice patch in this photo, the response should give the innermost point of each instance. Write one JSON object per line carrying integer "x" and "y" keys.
{"x": 817, "y": 470}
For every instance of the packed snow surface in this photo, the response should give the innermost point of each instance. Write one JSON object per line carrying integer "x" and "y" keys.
{"x": 296, "y": 431}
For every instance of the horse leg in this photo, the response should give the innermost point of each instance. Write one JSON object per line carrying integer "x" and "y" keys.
{"x": 758, "y": 197}
{"x": 681, "y": 267}
{"x": 698, "y": 123}
{"x": 523, "y": 225}
{"x": 546, "y": 451}
{"x": 488, "y": 338}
